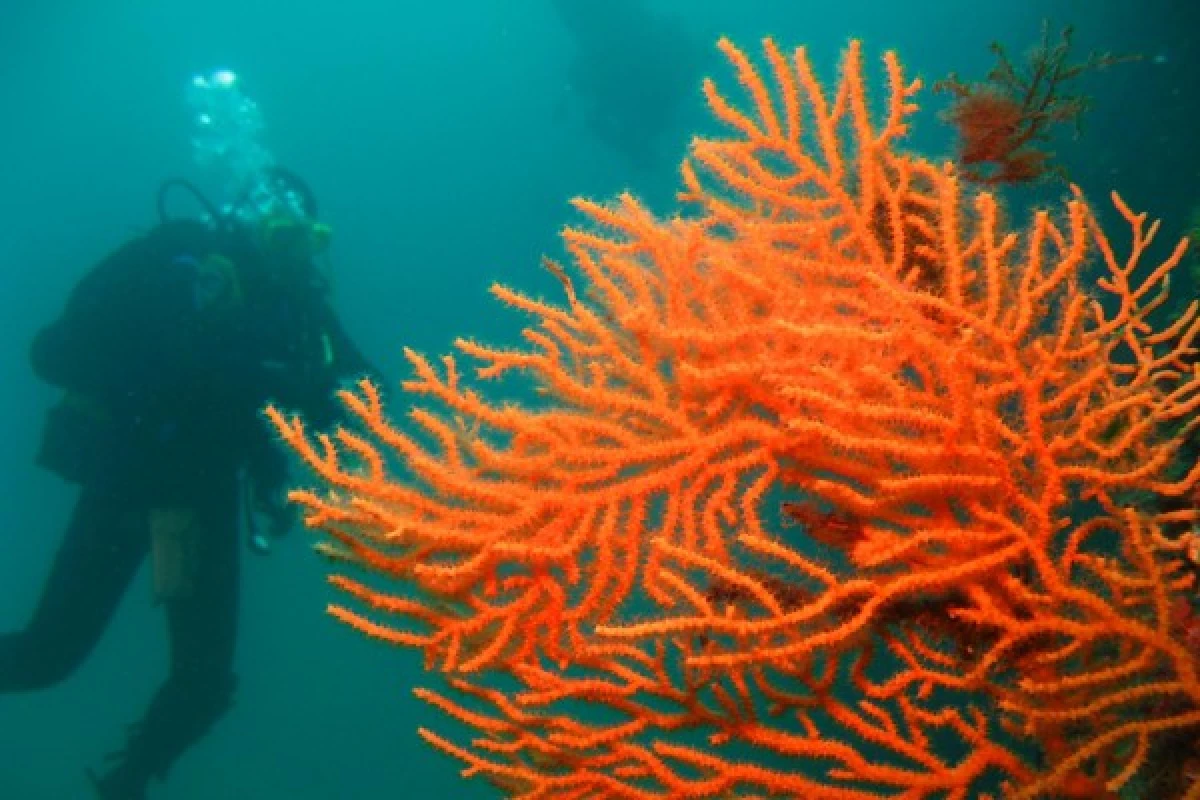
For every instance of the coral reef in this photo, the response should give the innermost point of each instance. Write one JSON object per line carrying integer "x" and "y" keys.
{"x": 832, "y": 487}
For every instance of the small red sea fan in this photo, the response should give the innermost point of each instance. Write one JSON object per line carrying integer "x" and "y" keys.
{"x": 989, "y": 123}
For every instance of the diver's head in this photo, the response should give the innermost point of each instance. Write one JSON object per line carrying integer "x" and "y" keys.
{"x": 280, "y": 211}
{"x": 270, "y": 203}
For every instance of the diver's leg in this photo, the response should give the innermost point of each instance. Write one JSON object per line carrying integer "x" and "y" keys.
{"x": 98, "y": 556}
{"x": 203, "y": 629}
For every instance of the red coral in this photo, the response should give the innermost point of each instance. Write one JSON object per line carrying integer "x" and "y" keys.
{"x": 1005, "y": 123}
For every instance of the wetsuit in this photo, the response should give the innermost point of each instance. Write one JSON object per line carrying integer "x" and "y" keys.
{"x": 167, "y": 352}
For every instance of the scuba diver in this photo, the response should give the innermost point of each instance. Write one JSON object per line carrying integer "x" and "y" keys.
{"x": 166, "y": 353}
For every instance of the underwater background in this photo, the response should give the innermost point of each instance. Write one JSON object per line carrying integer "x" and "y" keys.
{"x": 443, "y": 141}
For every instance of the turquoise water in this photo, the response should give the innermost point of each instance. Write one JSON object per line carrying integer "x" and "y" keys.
{"x": 444, "y": 141}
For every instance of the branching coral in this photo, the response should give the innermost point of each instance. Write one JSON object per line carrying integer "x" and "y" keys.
{"x": 1005, "y": 123}
{"x": 836, "y": 488}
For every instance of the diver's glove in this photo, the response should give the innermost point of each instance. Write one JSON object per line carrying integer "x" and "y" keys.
{"x": 271, "y": 517}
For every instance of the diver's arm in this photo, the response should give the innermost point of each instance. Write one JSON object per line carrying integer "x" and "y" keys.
{"x": 58, "y": 358}
{"x": 130, "y": 323}
{"x": 345, "y": 364}
{"x": 314, "y": 396}
{"x": 89, "y": 347}
{"x": 348, "y": 360}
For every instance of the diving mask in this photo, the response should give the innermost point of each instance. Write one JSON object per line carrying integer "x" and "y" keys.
{"x": 294, "y": 236}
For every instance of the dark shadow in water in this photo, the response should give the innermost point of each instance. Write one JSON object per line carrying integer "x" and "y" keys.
{"x": 631, "y": 73}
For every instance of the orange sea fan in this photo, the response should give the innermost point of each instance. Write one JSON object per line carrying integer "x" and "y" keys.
{"x": 839, "y": 327}
{"x": 660, "y": 429}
